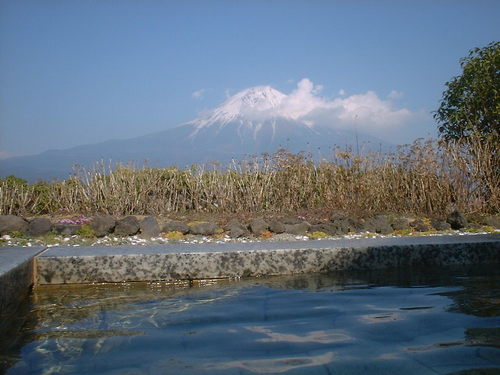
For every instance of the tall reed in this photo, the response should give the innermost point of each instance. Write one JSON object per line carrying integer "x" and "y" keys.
{"x": 424, "y": 178}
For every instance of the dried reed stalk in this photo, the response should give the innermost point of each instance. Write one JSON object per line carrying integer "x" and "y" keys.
{"x": 424, "y": 178}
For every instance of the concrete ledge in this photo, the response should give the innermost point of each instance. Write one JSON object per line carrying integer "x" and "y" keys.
{"x": 233, "y": 260}
{"x": 16, "y": 274}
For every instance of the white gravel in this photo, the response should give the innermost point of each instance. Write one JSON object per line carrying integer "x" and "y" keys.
{"x": 7, "y": 240}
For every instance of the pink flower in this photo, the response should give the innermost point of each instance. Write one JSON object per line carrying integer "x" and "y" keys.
{"x": 75, "y": 221}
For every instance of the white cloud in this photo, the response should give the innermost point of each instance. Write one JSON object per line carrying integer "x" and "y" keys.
{"x": 198, "y": 94}
{"x": 365, "y": 112}
{"x": 301, "y": 101}
{"x": 368, "y": 110}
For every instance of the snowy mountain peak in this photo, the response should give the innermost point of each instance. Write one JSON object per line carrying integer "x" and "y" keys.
{"x": 259, "y": 98}
{"x": 259, "y": 102}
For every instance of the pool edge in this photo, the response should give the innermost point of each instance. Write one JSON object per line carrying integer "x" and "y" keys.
{"x": 226, "y": 263}
{"x": 17, "y": 274}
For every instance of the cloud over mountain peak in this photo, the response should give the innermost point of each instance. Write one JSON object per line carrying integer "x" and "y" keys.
{"x": 366, "y": 112}
{"x": 253, "y": 121}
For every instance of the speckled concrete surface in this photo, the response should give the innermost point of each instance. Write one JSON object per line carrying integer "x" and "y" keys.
{"x": 232, "y": 260}
{"x": 16, "y": 273}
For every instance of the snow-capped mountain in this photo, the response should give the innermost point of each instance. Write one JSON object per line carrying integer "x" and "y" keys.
{"x": 251, "y": 122}
{"x": 246, "y": 113}
{"x": 247, "y": 105}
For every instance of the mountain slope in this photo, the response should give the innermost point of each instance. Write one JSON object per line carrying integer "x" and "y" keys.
{"x": 248, "y": 123}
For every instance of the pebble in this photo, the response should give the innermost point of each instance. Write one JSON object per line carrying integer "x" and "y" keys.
{"x": 138, "y": 241}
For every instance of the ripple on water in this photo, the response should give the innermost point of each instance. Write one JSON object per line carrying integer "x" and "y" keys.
{"x": 444, "y": 321}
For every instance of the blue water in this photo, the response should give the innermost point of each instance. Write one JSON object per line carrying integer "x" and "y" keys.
{"x": 433, "y": 321}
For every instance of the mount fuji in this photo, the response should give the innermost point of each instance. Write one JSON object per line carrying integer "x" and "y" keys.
{"x": 251, "y": 122}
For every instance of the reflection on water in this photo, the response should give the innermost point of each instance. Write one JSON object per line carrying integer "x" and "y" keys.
{"x": 322, "y": 336}
{"x": 441, "y": 321}
{"x": 278, "y": 365}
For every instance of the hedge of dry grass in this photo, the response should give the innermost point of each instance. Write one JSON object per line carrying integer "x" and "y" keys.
{"x": 425, "y": 178}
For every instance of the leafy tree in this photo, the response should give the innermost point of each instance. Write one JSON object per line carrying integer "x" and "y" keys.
{"x": 471, "y": 102}
{"x": 14, "y": 182}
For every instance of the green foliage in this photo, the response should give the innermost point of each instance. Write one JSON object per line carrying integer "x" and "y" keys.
{"x": 14, "y": 182}
{"x": 50, "y": 238}
{"x": 17, "y": 234}
{"x": 403, "y": 232}
{"x": 316, "y": 235}
{"x": 42, "y": 191}
{"x": 174, "y": 236}
{"x": 86, "y": 231}
{"x": 480, "y": 229}
{"x": 471, "y": 102}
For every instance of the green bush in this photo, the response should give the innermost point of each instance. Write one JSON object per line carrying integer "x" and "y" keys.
{"x": 17, "y": 234}
{"x": 86, "y": 231}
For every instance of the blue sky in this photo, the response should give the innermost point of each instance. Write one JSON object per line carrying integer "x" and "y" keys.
{"x": 79, "y": 71}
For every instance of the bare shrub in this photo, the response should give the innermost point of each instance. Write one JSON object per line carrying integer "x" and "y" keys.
{"x": 424, "y": 178}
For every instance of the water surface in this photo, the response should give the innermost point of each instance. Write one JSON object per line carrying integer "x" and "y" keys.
{"x": 412, "y": 321}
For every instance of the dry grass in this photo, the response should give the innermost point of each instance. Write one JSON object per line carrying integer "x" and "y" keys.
{"x": 425, "y": 178}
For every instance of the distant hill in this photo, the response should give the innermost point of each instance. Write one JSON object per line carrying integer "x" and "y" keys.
{"x": 245, "y": 124}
